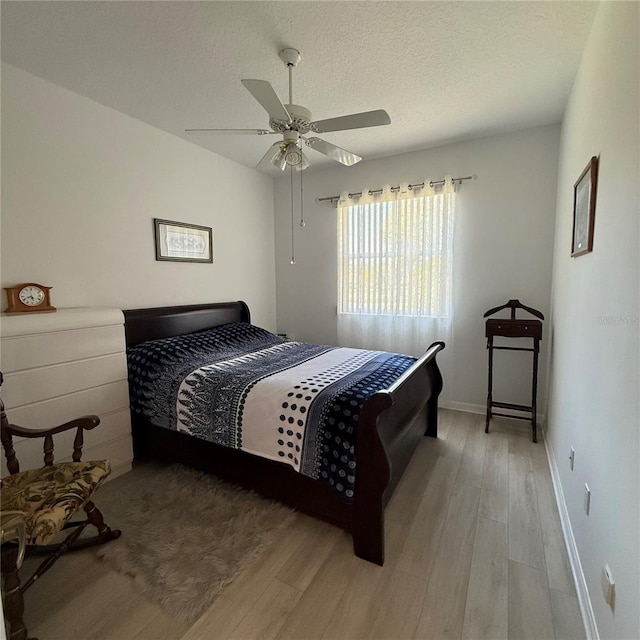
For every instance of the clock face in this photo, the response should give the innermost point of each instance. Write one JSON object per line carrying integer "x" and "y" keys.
{"x": 31, "y": 296}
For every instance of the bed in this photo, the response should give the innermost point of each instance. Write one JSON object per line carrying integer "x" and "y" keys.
{"x": 391, "y": 422}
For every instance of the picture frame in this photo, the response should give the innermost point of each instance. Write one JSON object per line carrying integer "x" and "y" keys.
{"x": 584, "y": 209}
{"x": 183, "y": 242}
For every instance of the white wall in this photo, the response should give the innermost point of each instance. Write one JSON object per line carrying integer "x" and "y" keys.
{"x": 81, "y": 184}
{"x": 595, "y": 358}
{"x": 503, "y": 249}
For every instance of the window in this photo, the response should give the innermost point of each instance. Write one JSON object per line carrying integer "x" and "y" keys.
{"x": 394, "y": 261}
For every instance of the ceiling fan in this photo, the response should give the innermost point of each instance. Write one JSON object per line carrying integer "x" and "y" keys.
{"x": 293, "y": 122}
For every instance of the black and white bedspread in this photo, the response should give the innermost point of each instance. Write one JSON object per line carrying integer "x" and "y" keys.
{"x": 243, "y": 387}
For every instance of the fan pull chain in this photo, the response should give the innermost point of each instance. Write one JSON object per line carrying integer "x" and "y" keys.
{"x": 290, "y": 83}
{"x": 293, "y": 252}
{"x": 302, "y": 222}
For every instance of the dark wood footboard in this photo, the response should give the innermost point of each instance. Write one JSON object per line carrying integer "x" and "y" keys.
{"x": 392, "y": 423}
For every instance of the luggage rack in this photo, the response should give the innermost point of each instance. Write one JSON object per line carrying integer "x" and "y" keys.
{"x": 514, "y": 328}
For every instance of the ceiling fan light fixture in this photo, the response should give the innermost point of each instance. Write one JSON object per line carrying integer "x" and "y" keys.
{"x": 304, "y": 163}
{"x": 280, "y": 161}
{"x": 292, "y": 154}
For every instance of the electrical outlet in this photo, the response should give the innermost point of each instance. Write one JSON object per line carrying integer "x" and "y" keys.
{"x": 587, "y": 498}
{"x": 572, "y": 457}
{"x": 608, "y": 586}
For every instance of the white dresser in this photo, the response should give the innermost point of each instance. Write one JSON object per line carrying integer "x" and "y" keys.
{"x": 59, "y": 366}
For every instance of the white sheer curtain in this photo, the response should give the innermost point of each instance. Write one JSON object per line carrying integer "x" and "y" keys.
{"x": 394, "y": 268}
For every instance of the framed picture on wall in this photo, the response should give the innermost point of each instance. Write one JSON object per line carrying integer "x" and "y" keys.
{"x": 584, "y": 209}
{"x": 182, "y": 242}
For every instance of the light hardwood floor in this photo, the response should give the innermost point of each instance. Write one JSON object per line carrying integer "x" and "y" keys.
{"x": 474, "y": 550}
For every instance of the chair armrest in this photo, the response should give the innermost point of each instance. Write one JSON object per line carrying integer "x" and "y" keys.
{"x": 85, "y": 423}
{"x": 10, "y": 430}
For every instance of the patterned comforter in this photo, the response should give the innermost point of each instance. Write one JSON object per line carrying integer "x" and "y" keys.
{"x": 243, "y": 387}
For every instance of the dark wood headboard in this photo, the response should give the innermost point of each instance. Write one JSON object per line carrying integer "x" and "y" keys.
{"x": 162, "y": 322}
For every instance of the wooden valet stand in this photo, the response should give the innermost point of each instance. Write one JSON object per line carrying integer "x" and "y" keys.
{"x": 514, "y": 328}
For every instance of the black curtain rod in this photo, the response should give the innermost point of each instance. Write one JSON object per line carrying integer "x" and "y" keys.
{"x": 419, "y": 185}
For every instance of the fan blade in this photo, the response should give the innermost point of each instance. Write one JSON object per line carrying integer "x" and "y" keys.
{"x": 239, "y": 132}
{"x": 353, "y": 121}
{"x": 335, "y": 153}
{"x": 267, "y": 158}
{"x": 264, "y": 93}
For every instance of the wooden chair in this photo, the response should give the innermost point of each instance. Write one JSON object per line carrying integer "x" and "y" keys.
{"x": 38, "y": 504}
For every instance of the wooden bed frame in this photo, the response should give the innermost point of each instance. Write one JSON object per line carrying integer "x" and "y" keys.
{"x": 392, "y": 422}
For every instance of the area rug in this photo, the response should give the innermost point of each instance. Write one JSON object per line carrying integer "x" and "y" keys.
{"x": 185, "y": 534}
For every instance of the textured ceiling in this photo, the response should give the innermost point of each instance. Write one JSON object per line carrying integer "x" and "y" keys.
{"x": 444, "y": 71}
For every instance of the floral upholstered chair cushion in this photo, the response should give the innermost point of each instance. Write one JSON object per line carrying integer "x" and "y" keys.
{"x": 48, "y": 497}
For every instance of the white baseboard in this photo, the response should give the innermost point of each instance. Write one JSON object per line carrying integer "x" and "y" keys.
{"x": 582, "y": 592}
{"x": 463, "y": 406}
{"x": 480, "y": 408}
{"x": 119, "y": 470}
